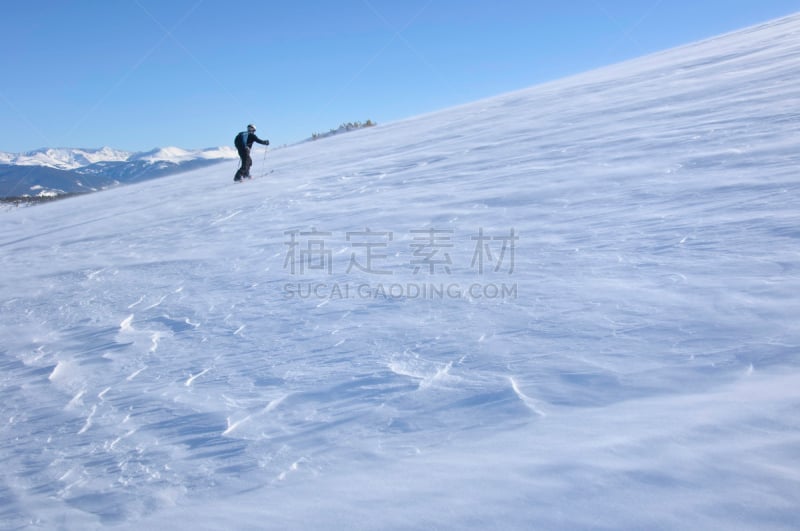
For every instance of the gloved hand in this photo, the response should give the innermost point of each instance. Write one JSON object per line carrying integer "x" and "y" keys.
{"x": 267, "y": 142}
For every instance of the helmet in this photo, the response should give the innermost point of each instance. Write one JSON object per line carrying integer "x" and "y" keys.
{"x": 251, "y": 128}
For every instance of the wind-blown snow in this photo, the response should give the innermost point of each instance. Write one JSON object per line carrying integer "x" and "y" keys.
{"x": 185, "y": 354}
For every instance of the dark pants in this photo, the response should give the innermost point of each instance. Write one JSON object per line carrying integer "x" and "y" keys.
{"x": 244, "y": 170}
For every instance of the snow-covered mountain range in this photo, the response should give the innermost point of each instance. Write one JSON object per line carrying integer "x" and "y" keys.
{"x": 55, "y": 171}
{"x": 64, "y": 158}
{"x": 570, "y": 307}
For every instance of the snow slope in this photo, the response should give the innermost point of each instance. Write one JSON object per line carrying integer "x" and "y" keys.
{"x": 570, "y": 307}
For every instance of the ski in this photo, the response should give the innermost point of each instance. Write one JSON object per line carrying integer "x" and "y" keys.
{"x": 251, "y": 177}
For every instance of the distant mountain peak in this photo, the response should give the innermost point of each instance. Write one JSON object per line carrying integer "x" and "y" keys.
{"x": 176, "y": 154}
{"x": 74, "y": 158}
{"x": 64, "y": 158}
{"x": 58, "y": 171}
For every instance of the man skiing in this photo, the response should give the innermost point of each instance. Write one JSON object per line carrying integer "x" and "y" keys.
{"x": 243, "y": 142}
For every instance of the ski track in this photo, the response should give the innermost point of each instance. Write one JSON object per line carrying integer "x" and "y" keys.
{"x": 644, "y": 376}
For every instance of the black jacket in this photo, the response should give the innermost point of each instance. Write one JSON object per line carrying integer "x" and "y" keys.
{"x": 244, "y": 141}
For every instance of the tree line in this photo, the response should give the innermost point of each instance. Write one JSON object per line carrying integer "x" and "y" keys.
{"x": 343, "y": 128}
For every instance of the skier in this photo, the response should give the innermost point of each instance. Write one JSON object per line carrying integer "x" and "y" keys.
{"x": 243, "y": 142}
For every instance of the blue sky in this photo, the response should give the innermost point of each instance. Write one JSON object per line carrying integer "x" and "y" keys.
{"x": 139, "y": 74}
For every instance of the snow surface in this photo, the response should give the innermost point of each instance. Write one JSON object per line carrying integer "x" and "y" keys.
{"x": 162, "y": 367}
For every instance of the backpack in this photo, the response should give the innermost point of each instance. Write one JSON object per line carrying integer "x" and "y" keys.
{"x": 239, "y": 141}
